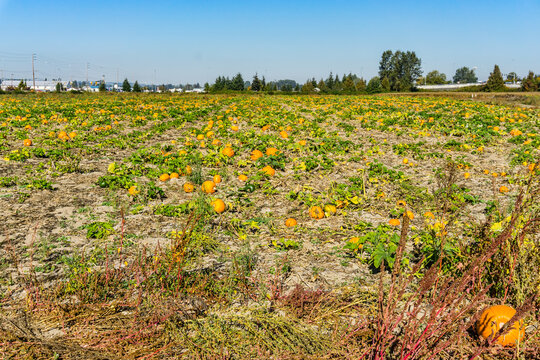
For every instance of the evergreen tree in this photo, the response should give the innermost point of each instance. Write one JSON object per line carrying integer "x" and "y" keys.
{"x": 136, "y": 87}
{"x": 59, "y": 87}
{"x": 360, "y": 85}
{"x": 529, "y": 83}
{"x": 263, "y": 84}
{"x": 495, "y": 81}
{"x": 348, "y": 84}
{"x": 322, "y": 86}
{"x": 237, "y": 83}
{"x": 126, "y": 87}
{"x": 256, "y": 83}
{"x": 102, "y": 86}
{"x": 22, "y": 86}
{"x": 330, "y": 81}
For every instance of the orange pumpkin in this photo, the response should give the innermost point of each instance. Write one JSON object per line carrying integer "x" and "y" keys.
{"x": 503, "y": 189}
{"x": 316, "y": 212}
{"x": 218, "y": 205}
{"x": 164, "y": 177}
{"x": 174, "y": 175}
{"x": 268, "y": 170}
{"x": 217, "y": 179}
{"x": 394, "y": 222}
{"x": 256, "y": 154}
{"x": 271, "y": 151}
{"x": 63, "y": 135}
{"x": 227, "y": 151}
{"x": 290, "y": 222}
{"x": 209, "y": 187}
{"x": 493, "y": 318}
{"x": 188, "y": 187}
{"x": 242, "y": 177}
{"x": 27, "y": 142}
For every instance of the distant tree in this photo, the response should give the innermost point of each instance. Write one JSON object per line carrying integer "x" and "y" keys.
{"x": 59, "y": 87}
{"x": 348, "y": 84}
{"x": 374, "y": 85}
{"x": 263, "y": 84}
{"x": 237, "y": 83}
{"x": 126, "y": 87}
{"x": 330, "y": 81}
{"x": 322, "y": 86}
{"x": 206, "y": 87}
{"x": 102, "y": 86}
{"x": 401, "y": 68}
{"x": 136, "y": 87}
{"x": 512, "y": 76}
{"x": 75, "y": 84}
{"x": 435, "y": 78}
{"x": 464, "y": 75}
{"x": 495, "y": 81}
{"x": 529, "y": 83}
{"x": 308, "y": 87}
{"x": 256, "y": 83}
{"x": 22, "y": 86}
{"x": 385, "y": 84}
{"x": 360, "y": 85}
{"x": 385, "y": 65}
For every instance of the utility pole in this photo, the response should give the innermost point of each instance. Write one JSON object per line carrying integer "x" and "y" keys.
{"x": 33, "y": 73}
{"x": 87, "y": 65}
{"x": 117, "y": 71}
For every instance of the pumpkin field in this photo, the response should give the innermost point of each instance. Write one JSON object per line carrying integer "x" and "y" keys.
{"x": 160, "y": 226}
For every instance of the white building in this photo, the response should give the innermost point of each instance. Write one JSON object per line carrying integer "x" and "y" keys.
{"x": 41, "y": 85}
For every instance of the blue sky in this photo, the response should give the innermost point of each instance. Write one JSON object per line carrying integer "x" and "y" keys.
{"x": 195, "y": 41}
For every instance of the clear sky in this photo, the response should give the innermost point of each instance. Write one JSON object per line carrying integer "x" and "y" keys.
{"x": 195, "y": 41}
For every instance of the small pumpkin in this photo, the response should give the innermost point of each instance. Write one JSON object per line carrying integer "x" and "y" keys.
{"x": 242, "y": 177}
{"x": 27, "y": 142}
{"x": 218, "y": 205}
{"x": 290, "y": 222}
{"x": 394, "y": 222}
{"x": 164, "y": 177}
{"x": 268, "y": 170}
{"x": 209, "y": 187}
{"x": 256, "y": 154}
{"x": 493, "y": 318}
{"x": 188, "y": 187}
{"x": 174, "y": 175}
{"x": 271, "y": 151}
{"x": 227, "y": 151}
{"x": 217, "y": 179}
{"x": 316, "y": 212}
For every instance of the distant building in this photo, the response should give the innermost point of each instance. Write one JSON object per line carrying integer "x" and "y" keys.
{"x": 41, "y": 85}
